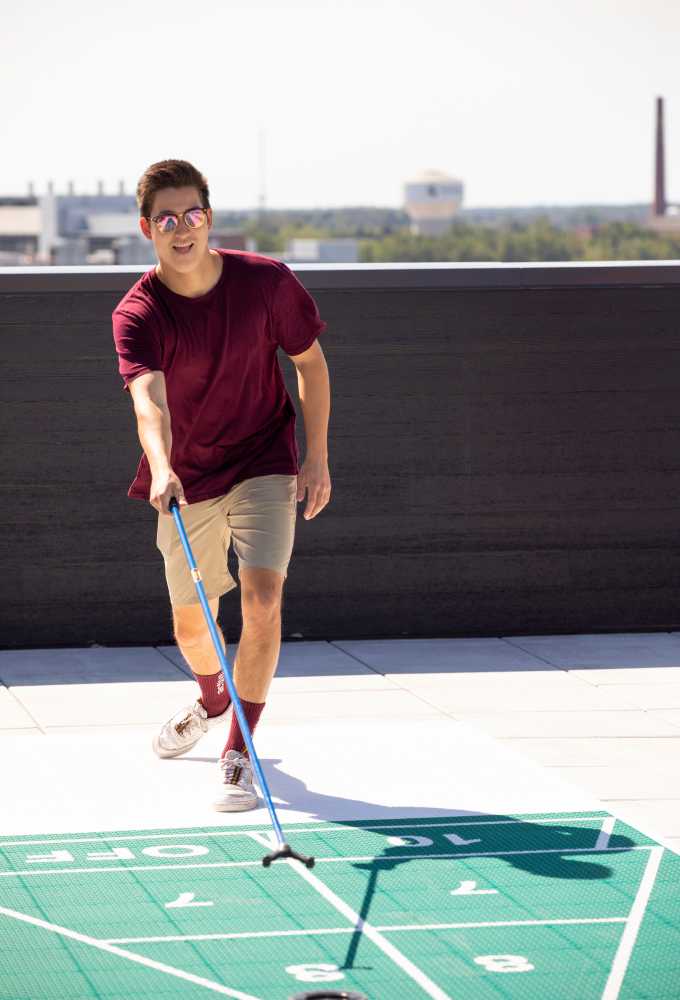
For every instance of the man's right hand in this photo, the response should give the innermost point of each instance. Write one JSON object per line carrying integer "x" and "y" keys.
{"x": 164, "y": 486}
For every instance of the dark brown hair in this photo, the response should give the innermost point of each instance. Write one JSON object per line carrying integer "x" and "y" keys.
{"x": 169, "y": 174}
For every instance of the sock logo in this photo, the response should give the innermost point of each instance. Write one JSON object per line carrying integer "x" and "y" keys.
{"x": 220, "y": 683}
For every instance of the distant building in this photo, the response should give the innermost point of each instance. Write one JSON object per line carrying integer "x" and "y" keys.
{"x": 72, "y": 229}
{"x": 432, "y": 200}
{"x": 230, "y": 239}
{"x": 328, "y": 251}
{"x": 668, "y": 224}
{"x": 88, "y": 228}
{"x": 20, "y": 225}
{"x": 67, "y": 228}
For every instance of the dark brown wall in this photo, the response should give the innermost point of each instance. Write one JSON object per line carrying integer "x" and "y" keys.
{"x": 504, "y": 454}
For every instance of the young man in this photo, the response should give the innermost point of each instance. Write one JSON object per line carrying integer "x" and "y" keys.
{"x": 196, "y": 339}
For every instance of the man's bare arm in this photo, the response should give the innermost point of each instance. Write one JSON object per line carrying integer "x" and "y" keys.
{"x": 153, "y": 418}
{"x": 153, "y": 426}
{"x": 315, "y": 399}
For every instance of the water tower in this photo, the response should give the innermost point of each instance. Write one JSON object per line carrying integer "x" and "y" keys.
{"x": 431, "y": 201}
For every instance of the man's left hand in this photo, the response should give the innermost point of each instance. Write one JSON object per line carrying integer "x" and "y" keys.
{"x": 315, "y": 478}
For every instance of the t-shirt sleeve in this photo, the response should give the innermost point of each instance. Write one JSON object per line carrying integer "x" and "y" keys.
{"x": 137, "y": 345}
{"x": 295, "y": 320}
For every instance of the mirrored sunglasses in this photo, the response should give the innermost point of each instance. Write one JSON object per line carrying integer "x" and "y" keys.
{"x": 167, "y": 222}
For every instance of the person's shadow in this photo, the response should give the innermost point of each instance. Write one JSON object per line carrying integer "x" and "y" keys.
{"x": 543, "y": 849}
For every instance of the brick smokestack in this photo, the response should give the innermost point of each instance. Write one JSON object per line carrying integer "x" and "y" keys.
{"x": 659, "y": 179}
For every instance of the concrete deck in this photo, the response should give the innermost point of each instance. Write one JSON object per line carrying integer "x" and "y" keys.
{"x": 596, "y": 717}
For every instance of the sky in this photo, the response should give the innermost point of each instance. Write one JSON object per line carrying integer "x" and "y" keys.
{"x": 329, "y": 104}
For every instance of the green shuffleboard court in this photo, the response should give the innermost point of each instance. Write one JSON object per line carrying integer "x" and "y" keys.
{"x": 538, "y": 907}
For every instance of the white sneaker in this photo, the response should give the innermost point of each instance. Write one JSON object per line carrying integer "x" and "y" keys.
{"x": 184, "y": 730}
{"x": 237, "y": 791}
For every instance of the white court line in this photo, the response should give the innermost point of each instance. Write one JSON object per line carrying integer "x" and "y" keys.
{"x": 418, "y": 824}
{"x": 379, "y": 927}
{"x": 299, "y": 932}
{"x": 488, "y": 822}
{"x": 606, "y": 831}
{"x": 637, "y": 912}
{"x": 363, "y": 927}
{"x": 363, "y": 858}
{"x": 129, "y": 955}
{"x": 134, "y": 868}
{"x": 505, "y": 923}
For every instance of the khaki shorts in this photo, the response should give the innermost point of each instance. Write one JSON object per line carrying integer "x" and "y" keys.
{"x": 259, "y": 514}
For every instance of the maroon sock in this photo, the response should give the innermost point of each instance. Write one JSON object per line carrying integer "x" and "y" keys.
{"x": 252, "y": 711}
{"x": 214, "y": 693}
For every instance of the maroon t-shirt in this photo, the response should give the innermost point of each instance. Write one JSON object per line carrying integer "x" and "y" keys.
{"x": 232, "y": 417}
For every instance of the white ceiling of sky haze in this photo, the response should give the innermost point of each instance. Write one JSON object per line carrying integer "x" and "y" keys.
{"x": 526, "y": 102}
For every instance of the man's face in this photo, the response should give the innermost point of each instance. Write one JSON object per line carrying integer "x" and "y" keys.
{"x": 171, "y": 248}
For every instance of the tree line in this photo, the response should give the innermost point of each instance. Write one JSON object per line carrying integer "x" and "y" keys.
{"x": 538, "y": 240}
